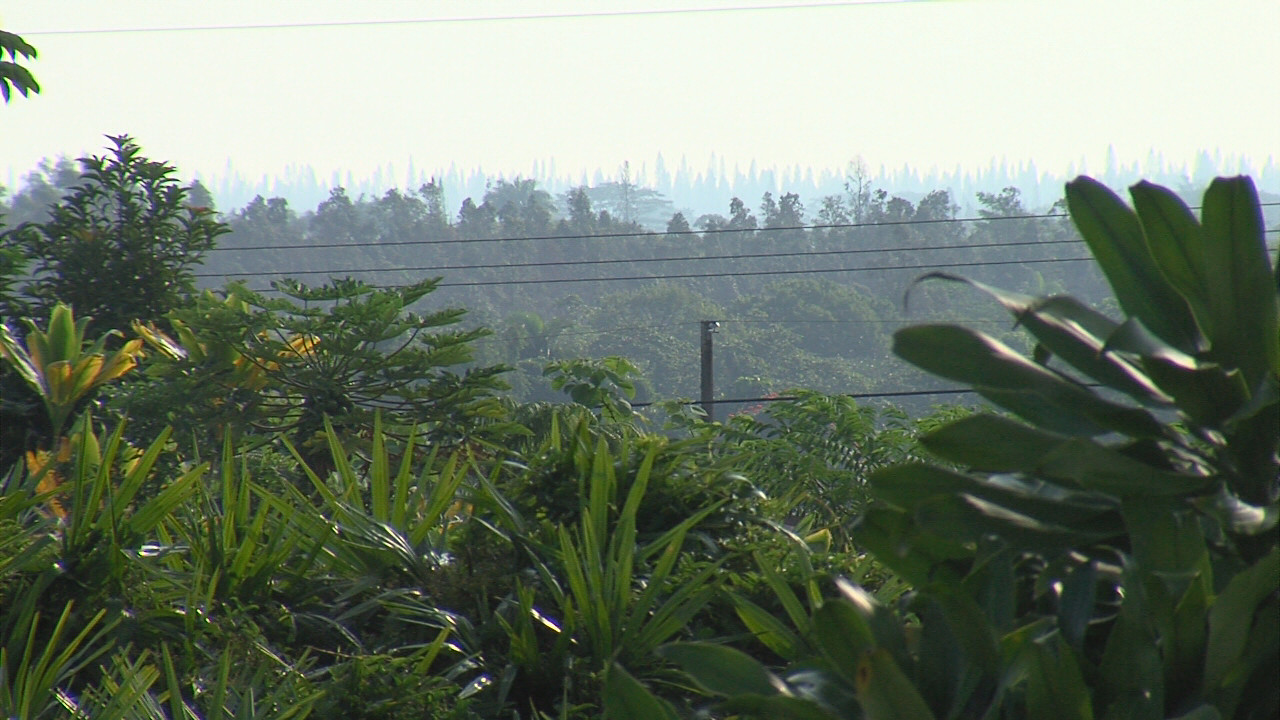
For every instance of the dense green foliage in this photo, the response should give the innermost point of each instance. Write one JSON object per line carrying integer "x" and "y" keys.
{"x": 1110, "y": 547}
{"x": 121, "y": 245}
{"x": 322, "y": 501}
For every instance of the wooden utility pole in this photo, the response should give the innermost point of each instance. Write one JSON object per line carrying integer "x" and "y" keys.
{"x": 709, "y": 327}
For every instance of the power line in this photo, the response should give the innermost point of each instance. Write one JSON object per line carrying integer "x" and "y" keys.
{"x": 847, "y": 322}
{"x": 856, "y": 396}
{"x": 656, "y": 234}
{"x": 644, "y": 233}
{"x": 468, "y": 19}
{"x": 784, "y": 398}
{"x": 752, "y": 273}
{"x": 740, "y": 273}
{"x": 551, "y": 335}
{"x": 614, "y": 261}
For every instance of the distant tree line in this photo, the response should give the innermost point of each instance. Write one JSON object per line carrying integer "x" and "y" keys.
{"x": 811, "y": 307}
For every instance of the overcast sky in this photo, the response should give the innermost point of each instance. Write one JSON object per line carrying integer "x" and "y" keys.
{"x": 592, "y": 84}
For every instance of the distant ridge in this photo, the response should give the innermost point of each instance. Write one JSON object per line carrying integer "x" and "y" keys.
{"x": 695, "y": 190}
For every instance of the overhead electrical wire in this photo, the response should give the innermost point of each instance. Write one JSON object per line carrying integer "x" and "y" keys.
{"x": 647, "y": 233}
{"x": 789, "y": 321}
{"x": 549, "y": 335}
{"x": 633, "y": 261}
{"x": 701, "y": 233}
{"x": 751, "y": 273}
{"x": 694, "y": 258}
{"x": 739, "y": 273}
{"x": 470, "y": 19}
{"x": 857, "y": 396}
{"x": 553, "y": 335}
{"x": 784, "y": 398}
{"x": 675, "y": 276}
{"x": 691, "y": 258}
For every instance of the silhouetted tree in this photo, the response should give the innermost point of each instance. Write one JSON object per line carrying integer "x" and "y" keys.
{"x": 677, "y": 224}
{"x": 122, "y": 246}
{"x": 740, "y": 218}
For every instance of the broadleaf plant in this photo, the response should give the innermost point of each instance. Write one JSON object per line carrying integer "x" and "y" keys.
{"x": 1108, "y": 545}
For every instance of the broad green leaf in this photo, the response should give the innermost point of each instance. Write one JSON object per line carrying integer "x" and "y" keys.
{"x": 1199, "y": 263}
{"x": 18, "y": 358}
{"x": 1076, "y": 603}
{"x": 917, "y": 556}
{"x": 910, "y": 486}
{"x": 996, "y": 444}
{"x": 602, "y": 491}
{"x": 941, "y": 669}
{"x": 57, "y": 378}
{"x": 782, "y": 590}
{"x": 1254, "y": 436}
{"x": 1230, "y": 617}
{"x": 958, "y": 655}
{"x": 969, "y": 625}
{"x": 885, "y": 692}
{"x": 1244, "y": 309}
{"x": 1206, "y": 393}
{"x": 1114, "y": 235}
{"x": 723, "y": 670}
{"x": 1131, "y": 681}
{"x": 767, "y": 628}
{"x": 1056, "y": 689}
{"x": 63, "y": 339}
{"x": 885, "y": 625}
{"x": 1072, "y": 331}
{"x": 341, "y": 461}
{"x": 1166, "y": 537}
{"x": 972, "y": 518}
{"x": 1178, "y": 246}
{"x": 84, "y": 375}
{"x": 1185, "y": 639}
{"x": 1077, "y": 334}
{"x": 38, "y": 345}
{"x": 844, "y": 635}
{"x": 993, "y": 369}
{"x": 992, "y": 583}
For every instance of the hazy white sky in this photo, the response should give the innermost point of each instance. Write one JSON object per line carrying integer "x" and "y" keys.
{"x": 921, "y": 83}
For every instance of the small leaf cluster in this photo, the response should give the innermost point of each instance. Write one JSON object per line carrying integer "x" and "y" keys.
{"x": 12, "y": 75}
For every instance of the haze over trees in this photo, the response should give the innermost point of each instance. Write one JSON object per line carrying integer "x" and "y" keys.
{"x": 382, "y": 458}
{"x": 799, "y": 307}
